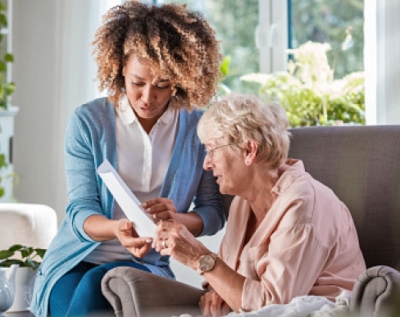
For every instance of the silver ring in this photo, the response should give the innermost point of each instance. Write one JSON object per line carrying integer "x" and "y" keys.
{"x": 164, "y": 244}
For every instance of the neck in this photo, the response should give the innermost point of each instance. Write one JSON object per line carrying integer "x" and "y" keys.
{"x": 148, "y": 124}
{"x": 259, "y": 194}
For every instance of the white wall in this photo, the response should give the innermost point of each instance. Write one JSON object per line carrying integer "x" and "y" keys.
{"x": 382, "y": 67}
{"x": 54, "y": 73}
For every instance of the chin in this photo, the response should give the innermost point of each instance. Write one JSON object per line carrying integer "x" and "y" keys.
{"x": 224, "y": 190}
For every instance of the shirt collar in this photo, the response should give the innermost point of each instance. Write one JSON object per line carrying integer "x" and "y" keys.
{"x": 295, "y": 170}
{"x": 128, "y": 116}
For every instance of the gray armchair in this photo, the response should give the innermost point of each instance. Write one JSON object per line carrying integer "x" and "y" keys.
{"x": 362, "y": 166}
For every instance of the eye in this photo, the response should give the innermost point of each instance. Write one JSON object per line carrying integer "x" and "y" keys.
{"x": 137, "y": 83}
{"x": 163, "y": 85}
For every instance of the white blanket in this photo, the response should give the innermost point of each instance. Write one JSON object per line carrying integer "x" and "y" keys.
{"x": 302, "y": 306}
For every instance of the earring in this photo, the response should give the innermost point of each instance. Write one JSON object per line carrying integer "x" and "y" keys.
{"x": 247, "y": 162}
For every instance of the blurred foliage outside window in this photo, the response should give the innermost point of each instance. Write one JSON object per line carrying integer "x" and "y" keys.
{"x": 333, "y": 28}
{"x": 337, "y": 22}
{"x": 309, "y": 92}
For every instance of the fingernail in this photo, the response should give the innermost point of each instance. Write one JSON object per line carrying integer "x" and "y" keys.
{"x": 144, "y": 205}
{"x": 149, "y": 241}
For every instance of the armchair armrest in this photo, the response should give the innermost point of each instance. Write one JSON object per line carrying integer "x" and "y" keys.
{"x": 132, "y": 292}
{"x": 374, "y": 291}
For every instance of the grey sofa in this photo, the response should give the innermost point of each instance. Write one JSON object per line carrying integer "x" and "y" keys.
{"x": 362, "y": 166}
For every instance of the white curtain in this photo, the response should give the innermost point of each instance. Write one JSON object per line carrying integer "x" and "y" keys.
{"x": 54, "y": 72}
{"x": 382, "y": 65}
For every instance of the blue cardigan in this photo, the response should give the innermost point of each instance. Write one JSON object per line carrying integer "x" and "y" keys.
{"x": 90, "y": 139}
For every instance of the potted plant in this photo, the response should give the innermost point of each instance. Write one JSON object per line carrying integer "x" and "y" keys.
{"x": 28, "y": 259}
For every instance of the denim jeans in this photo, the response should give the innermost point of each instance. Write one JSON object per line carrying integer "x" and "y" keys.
{"x": 78, "y": 292}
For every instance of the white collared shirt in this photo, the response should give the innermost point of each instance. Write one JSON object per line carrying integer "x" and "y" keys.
{"x": 143, "y": 161}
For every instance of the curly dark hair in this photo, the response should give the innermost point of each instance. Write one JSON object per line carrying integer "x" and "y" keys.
{"x": 178, "y": 44}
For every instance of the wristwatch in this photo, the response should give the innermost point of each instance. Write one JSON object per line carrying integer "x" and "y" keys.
{"x": 206, "y": 263}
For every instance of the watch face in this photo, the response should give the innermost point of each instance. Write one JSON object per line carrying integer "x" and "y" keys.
{"x": 207, "y": 262}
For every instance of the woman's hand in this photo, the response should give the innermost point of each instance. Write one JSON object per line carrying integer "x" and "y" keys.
{"x": 212, "y": 304}
{"x": 173, "y": 238}
{"x": 160, "y": 209}
{"x": 128, "y": 237}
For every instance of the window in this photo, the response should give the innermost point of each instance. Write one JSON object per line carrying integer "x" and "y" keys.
{"x": 337, "y": 22}
{"x": 256, "y": 33}
{"x": 277, "y": 24}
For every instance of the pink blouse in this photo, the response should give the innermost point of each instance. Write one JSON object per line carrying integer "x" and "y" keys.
{"x": 307, "y": 243}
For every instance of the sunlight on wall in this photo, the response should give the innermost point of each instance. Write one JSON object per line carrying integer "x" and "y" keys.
{"x": 370, "y": 58}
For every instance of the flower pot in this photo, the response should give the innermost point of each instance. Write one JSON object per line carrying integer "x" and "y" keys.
{"x": 24, "y": 280}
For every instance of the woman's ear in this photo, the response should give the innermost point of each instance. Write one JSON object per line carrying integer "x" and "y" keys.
{"x": 251, "y": 148}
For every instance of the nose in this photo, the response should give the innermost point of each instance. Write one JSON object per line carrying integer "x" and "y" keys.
{"x": 207, "y": 164}
{"x": 148, "y": 94}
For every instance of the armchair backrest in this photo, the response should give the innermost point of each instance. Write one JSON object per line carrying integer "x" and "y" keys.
{"x": 361, "y": 164}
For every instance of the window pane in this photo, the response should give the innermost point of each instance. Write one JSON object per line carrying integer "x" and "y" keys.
{"x": 337, "y": 22}
{"x": 234, "y": 22}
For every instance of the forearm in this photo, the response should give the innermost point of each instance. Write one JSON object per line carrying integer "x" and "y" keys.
{"x": 99, "y": 228}
{"x": 227, "y": 283}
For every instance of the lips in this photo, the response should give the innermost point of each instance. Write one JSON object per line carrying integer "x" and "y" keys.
{"x": 147, "y": 108}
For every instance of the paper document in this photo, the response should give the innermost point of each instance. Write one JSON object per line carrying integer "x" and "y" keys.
{"x": 130, "y": 205}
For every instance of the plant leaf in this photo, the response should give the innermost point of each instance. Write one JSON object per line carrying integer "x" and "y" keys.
{"x": 6, "y": 254}
{"x": 3, "y": 163}
{"x": 8, "y": 263}
{"x": 40, "y": 252}
{"x": 26, "y": 252}
{"x": 3, "y": 66}
{"x": 9, "y": 57}
{"x": 16, "y": 247}
{"x": 224, "y": 68}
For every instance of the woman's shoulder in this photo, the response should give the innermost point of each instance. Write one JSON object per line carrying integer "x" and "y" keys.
{"x": 96, "y": 111}
{"x": 95, "y": 106}
{"x": 193, "y": 115}
{"x": 96, "y": 116}
{"x": 188, "y": 121}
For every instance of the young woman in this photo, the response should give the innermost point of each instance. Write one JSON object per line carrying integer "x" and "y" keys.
{"x": 156, "y": 64}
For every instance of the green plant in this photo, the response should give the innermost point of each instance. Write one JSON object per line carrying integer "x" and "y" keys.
{"x": 29, "y": 256}
{"x": 309, "y": 92}
{"x": 6, "y": 87}
{"x": 224, "y": 69}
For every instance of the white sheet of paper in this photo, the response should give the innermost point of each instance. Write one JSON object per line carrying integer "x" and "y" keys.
{"x": 128, "y": 202}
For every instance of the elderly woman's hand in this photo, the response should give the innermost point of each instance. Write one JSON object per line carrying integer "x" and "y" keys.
{"x": 126, "y": 234}
{"x": 173, "y": 238}
{"x": 160, "y": 209}
{"x": 212, "y": 304}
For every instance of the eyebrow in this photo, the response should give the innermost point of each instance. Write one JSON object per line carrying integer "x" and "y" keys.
{"x": 140, "y": 78}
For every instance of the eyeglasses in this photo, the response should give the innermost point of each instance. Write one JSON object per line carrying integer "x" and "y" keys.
{"x": 210, "y": 152}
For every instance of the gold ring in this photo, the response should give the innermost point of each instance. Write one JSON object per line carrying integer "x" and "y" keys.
{"x": 164, "y": 244}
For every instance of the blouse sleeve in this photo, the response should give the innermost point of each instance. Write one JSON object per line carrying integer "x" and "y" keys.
{"x": 208, "y": 204}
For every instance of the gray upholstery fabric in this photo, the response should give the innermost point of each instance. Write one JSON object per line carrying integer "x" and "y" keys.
{"x": 361, "y": 164}
{"x": 133, "y": 293}
{"x": 375, "y": 291}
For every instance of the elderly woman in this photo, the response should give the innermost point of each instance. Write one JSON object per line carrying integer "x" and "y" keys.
{"x": 287, "y": 234}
